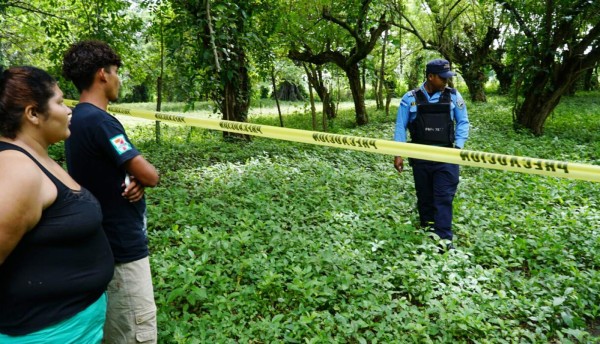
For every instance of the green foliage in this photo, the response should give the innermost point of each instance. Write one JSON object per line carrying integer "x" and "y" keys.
{"x": 276, "y": 242}
{"x": 218, "y": 38}
{"x": 59, "y": 23}
{"x": 552, "y": 48}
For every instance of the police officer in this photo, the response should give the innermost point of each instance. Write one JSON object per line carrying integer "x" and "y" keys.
{"x": 436, "y": 115}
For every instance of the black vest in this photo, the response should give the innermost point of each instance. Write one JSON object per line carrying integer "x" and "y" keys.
{"x": 433, "y": 124}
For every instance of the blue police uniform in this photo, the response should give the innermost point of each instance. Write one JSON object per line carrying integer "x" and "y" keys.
{"x": 435, "y": 182}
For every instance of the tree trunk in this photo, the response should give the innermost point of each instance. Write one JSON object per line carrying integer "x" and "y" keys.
{"x": 328, "y": 106}
{"x": 378, "y": 102}
{"x": 358, "y": 94}
{"x": 388, "y": 101}
{"x": 315, "y": 78}
{"x": 544, "y": 92}
{"x": 589, "y": 83}
{"x": 475, "y": 80}
{"x": 390, "y": 91}
{"x": 363, "y": 75}
{"x": 288, "y": 91}
{"x": 365, "y": 35}
{"x": 379, "y": 93}
{"x": 159, "y": 80}
{"x": 538, "y": 105}
{"x": 587, "y": 80}
{"x": 547, "y": 76}
{"x": 276, "y": 97}
{"x": 313, "y": 110}
{"x": 534, "y": 111}
{"x": 158, "y": 106}
{"x": 504, "y": 76}
{"x": 236, "y": 98}
{"x": 415, "y": 74}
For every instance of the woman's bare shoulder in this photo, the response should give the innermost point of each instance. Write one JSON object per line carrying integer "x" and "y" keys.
{"x": 17, "y": 170}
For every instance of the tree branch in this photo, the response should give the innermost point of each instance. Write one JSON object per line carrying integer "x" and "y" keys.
{"x": 519, "y": 20}
{"x": 327, "y": 16}
{"x": 414, "y": 31}
{"x": 320, "y": 58}
{"x": 28, "y": 8}
{"x": 446, "y": 24}
{"x": 591, "y": 59}
{"x": 566, "y": 28}
{"x": 364, "y": 49}
{"x": 364, "y": 9}
{"x": 588, "y": 40}
{"x": 548, "y": 23}
{"x": 212, "y": 36}
{"x": 485, "y": 46}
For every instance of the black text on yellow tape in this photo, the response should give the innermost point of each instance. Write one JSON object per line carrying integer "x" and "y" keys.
{"x": 442, "y": 154}
{"x": 166, "y": 117}
{"x": 239, "y": 126}
{"x": 515, "y": 161}
{"x": 343, "y": 140}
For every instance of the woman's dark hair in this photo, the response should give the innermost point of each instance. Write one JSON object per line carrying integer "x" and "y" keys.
{"x": 83, "y": 59}
{"x": 21, "y": 87}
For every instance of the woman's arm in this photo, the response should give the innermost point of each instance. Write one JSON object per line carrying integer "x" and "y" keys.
{"x": 24, "y": 192}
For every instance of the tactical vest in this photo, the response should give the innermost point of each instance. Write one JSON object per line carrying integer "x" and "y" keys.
{"x": 433, "y": 124}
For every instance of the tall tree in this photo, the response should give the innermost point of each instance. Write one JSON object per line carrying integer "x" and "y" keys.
{"x": 462, "y": 31}
{"x": 221, "y": 34}
{"x": 58, "y": 23}
{"x": 500, "y": 62}
{"x": 381, "y": 74}
{"x": 221, "y": 55}
{"x": 170, "y": 36}
{"x": 347, "y": 33}
{"x": 560, "y": 41}
{"x": 24, "y": 25}
{"x": 314, "y": 74}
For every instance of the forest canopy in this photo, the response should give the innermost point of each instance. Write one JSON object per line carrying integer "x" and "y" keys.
{"x": 231, "y": 52}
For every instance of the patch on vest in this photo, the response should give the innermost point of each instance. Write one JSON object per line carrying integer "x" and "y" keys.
{"x": 121, "y": 145}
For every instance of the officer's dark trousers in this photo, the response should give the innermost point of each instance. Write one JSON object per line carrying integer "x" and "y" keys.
{"x": 436, "y": 184}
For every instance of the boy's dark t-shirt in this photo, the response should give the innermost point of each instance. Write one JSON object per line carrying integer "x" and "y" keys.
{"x": 96, "y": 153}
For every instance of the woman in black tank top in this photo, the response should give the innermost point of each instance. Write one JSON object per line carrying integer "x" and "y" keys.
{"x": 55, "y": 260}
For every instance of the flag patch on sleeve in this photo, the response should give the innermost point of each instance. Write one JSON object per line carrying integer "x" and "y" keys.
{"x": 120, "y": 143}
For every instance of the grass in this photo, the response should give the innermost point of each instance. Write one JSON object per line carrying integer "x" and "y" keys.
{"x": 278, "y": 242}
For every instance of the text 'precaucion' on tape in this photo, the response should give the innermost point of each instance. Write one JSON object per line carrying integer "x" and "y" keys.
{"x": 411, "y": 150}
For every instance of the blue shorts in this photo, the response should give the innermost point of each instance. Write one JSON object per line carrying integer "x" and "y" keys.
{"x": 84, "y": 327}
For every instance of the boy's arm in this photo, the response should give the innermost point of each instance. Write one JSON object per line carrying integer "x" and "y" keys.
{"x": 143, "y": 171}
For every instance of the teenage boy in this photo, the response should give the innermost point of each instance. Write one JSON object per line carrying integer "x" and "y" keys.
{"x": 102, "y": 159}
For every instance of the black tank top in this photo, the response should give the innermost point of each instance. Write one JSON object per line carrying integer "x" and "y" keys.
{"x": 59, "y": 267}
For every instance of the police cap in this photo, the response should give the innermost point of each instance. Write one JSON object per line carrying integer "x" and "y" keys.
{"x": 440, "y": 67}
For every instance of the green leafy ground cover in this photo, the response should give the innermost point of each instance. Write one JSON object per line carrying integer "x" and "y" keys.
{"x": 277, "y": 242}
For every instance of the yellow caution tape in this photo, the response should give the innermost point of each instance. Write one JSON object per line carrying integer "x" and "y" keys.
{"x": 450, "y": 155}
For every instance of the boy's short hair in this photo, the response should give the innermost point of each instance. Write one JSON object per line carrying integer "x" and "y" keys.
{"x": 84, "y": 58}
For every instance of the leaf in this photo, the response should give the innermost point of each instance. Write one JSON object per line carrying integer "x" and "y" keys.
{"x": 557, "y": 301}
{"x": 567, "y": 318}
